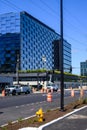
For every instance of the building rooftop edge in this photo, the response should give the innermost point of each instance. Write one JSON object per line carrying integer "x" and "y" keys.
{"x": 39, "y": 21}
{"x": 34, "y": 19}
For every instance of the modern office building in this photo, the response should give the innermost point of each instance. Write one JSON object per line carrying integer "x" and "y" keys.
{"x": 30, "y": 43}
{"x": 83, "y": 68}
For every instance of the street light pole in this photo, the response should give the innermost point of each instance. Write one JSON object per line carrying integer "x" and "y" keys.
{"x": 17, "y": 68}
{"x": 37, "y": 75}
{"x": 61, "y": 57}
{"x": 44, "y": 64}
{"x": 44, "y": 61}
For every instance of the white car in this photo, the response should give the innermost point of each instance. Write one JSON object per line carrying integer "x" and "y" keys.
{"x": 52, "y": 86}
{"x": 12, "y": 90}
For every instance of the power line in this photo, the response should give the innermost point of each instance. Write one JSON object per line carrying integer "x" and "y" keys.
{"x": 75, "y": 18}
{"x": 75, "y": 29}
{"x": 13, "y": 6}
{"x": 68, "y": 23}
{"x": 74, "y": 25}
{"x": 65, "y": 18}
{"x": 45, "y": 10}
{"x": 79, "y": 42}
{"x": 49, "y": 7}
{"x": 9, "y": 4}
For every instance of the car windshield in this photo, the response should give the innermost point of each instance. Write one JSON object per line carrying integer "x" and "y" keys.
{"x": 52, "y": 85}
{"x": 10, "y": 86}
{"x": 49, "y": 85}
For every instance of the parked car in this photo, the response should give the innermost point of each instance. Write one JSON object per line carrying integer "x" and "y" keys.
{"x": 52, "y": 86}
{"x": 12, "y": 90}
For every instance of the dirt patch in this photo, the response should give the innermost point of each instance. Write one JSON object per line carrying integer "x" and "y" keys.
{"x": 49, "y": 115}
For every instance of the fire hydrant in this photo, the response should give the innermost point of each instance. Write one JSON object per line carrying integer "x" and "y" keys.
{"x": 39, "y": 114}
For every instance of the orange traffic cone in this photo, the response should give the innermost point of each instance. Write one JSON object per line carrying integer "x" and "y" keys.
{"x": 3, "y": 93}
{"x": 81, "y": 93}
{"x": 49, "y": 97}
{"x": 72, "y": 93}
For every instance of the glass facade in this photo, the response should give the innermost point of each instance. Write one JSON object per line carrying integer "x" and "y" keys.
{"x": 22, "y": 34}
{"x": 83, "y": 68}
{"x": 10, "y": 46}
{"x": 36, "y": 42}
{"x": 66, "y": 55}
{"x": 10, "y": 23}
{"x": 9, "y": 41}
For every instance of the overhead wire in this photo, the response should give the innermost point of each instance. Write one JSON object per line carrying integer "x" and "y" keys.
{"x": 8, "y": 3}
{"x": 77, "y": 41}
{"x": 54, "y": 11}
{"x": 72, "y": 15}
{"x": 76, "y": 28}
{"x": 67, "y": 23}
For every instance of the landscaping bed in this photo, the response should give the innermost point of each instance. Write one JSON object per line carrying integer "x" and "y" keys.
{"x": 49, "y": 115}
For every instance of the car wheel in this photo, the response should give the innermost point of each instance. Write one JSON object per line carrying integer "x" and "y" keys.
{"x": 19, "y": 93}
{"x": 27, "y": 92}
{"x": 14, "y": 92}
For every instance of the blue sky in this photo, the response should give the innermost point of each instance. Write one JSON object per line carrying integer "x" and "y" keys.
{"x": 48, "y": 11}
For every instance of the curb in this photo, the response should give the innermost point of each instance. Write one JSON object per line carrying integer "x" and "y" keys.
{"x": 29, "y": 128}
{"x": 53, "y": 121}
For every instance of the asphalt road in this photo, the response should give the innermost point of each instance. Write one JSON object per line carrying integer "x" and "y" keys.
{"x": 13, "y": 108}
{"x": 10, "y": 101}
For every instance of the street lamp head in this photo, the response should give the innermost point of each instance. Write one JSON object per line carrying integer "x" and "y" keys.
{"x": 44, "y": 59}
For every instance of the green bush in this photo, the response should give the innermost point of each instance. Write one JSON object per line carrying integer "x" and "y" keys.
{"x": 85, "y": 101}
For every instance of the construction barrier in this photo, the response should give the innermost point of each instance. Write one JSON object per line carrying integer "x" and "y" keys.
{"x": 58, "y": 90}
{"x": 33, "y": 90}
{"x": 47, "y": 90}
{"x": 81, "y": 93}
{"x": 49, "y": 97}
{"x": 42, "y": 90}
{"x": 72, "y": 93}
{"x": 3, "y": 93}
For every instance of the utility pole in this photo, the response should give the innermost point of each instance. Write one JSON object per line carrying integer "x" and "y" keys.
{"x": 61, "y": 57}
